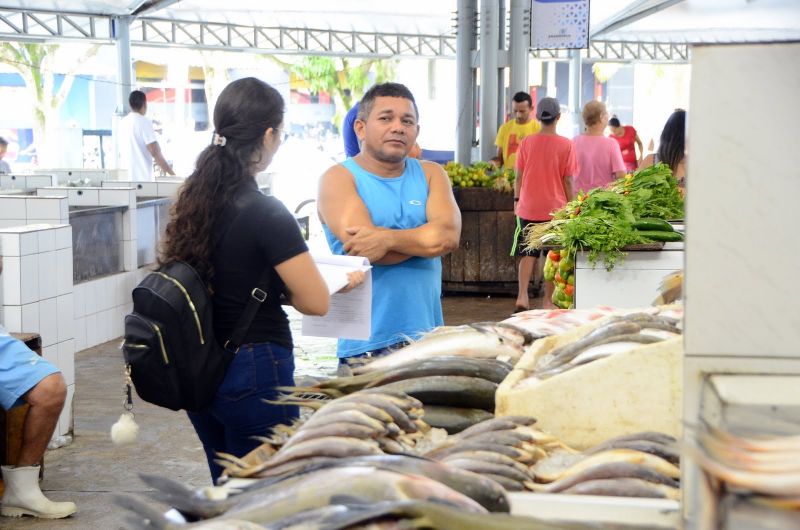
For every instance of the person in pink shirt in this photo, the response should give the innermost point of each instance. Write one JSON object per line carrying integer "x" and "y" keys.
{"x": 599, "y": 158}
{"x": 546, "y": 166}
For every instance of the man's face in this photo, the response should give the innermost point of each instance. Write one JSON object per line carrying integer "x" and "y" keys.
{"x": 390, "y": 130}
{"x": 521, "y": 111}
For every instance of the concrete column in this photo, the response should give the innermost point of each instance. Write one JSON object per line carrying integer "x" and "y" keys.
{"x": 489, "y": 26}
{"x": 502, "y": 105}
{"x": 465, "y": 80}
{"x": 122, "y": 35}
{"x": 125, "y": 78}
{"x": 575, "y": 91}
{"x": 520, "y": 44}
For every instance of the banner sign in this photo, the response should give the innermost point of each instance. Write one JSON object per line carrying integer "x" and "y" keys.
{"x": 559, "y": 24}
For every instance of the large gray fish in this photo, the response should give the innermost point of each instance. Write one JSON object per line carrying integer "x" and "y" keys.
{"x": 481, "y": 467}
{"x": 560, "y": 465}
{"x": 606, "y": 471}
{"x": 408, "y": 515}
{"x": 624, "y": 487}
{"x": 462, "y": 341}
{"x": 567, "y": 352}
{"x": 500, "y": 423}
{"x": 321, "y": 488}
{"x": 454, "y": 391}
{"x": 670, "y": 453}
{"x": 454, "y": 419}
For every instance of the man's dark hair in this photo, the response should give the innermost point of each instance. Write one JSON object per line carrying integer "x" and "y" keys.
{"x": 392, "y": 90}
{"x": 519, "y": 97}
{"x": 614, "y": 122}
{"x": 3, "y": 141}
{"x": 137, "y": 99}
{"x": 549, "y": 121}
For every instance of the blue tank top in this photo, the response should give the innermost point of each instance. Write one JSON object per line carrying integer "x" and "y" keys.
{"x": 406, "y": 298}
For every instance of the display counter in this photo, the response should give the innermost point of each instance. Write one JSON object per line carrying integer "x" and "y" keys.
{"x": 638, "y": 513}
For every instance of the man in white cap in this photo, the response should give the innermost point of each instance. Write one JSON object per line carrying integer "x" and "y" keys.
{"x": 546, "y": 166}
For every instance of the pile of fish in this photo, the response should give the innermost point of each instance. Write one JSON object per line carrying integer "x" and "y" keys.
{"x": 620, "y": 333}
{"x": 637, "y": 465}
{"x": 546, "y": 322}
{"x": 369, "y": 422}
{"x": 452, "y": 371}
{"x": 766, "y": 467}
{"x": 501, "y": 449}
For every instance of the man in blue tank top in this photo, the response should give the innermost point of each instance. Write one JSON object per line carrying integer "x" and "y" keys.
{"x": 396, "y": 211}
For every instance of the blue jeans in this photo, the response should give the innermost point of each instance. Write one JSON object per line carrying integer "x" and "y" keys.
{"x": 238, "y": 412}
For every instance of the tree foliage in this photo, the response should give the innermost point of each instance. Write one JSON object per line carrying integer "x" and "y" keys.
{"x": 344, "y": 79}
{"x": 38, "y": 64}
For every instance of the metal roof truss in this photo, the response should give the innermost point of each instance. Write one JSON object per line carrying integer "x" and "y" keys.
{"x": 18, "y": 24}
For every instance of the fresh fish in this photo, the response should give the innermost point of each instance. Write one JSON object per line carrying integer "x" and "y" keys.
{"x": 350, "y": 416}
{"x": 600, "y": 349}
{"x": 487, "y": 456}
{"x": 624, "y": 487}
{"x": 462, "y": 341}
{"x": 669, "y": 453}
{"x": 454, "y": 419}
{"x": 428, "y": 515}
{"x": 403, "y": 417}
{"x": 507, "y": 483}
{"x": 567, "y": 352}
{"x": 500, "y": 423}
{"x": 565, "y": 466}
{"x": 332, "y": 446}
{"x": 511, "y": 438}
{"x": 344, "y": 430}
{"x": 456, "y": 391}
{"x": 375, "y": 412}
{"x": 489, "y": 369}
{"x": 320, "y": 488}
{"x": 480, "y": 467}
{"x": 606, "y": 471}
{"x": 650, "y": 436}
{"x": 512, "y": 452}
{"x": 509, "y": 331}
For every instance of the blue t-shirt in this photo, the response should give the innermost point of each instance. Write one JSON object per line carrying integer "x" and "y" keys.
{"x": 406, "y": 297}
{"x": 351, "y": 147}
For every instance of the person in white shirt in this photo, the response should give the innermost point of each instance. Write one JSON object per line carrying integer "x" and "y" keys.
{"x": 138, "y": 144}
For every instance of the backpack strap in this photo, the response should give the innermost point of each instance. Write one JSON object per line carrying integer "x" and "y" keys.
{"x": 259, "y": 294}
{"x": 257, "y": 297}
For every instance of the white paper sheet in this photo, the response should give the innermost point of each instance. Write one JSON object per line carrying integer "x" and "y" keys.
{"x": 350, "y": 314}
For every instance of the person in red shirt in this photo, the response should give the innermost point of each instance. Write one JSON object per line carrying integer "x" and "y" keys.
{"x": 628, "y": 139}
{"x": 546, "y": 167}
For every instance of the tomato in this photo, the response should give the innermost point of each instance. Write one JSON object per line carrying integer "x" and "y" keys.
{"x": 553, "y": 255}
{"x": 569, "y": 289}
{"x": 558, "y": 277}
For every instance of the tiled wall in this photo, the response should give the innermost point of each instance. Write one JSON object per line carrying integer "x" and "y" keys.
{"x": 19, "y": 210}
{"x": 37, "y": 295}
{"x": 26, "y": 182}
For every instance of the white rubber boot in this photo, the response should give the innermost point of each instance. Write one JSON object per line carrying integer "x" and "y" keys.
{"x": 23, "y": 496}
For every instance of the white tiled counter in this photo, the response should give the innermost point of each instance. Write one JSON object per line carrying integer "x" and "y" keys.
{"x": 36, "y": 294}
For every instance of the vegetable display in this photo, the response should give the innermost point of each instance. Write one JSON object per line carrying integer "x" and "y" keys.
{"x": 480, "y": 175}
{"x": 632, "y": 210}
{"x": 559, "y": 267}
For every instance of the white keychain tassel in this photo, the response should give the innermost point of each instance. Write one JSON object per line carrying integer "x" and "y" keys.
{"x": 125, "y": 430}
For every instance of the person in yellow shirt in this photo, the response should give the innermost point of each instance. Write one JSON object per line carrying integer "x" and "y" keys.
{"x": 511, "y": 133}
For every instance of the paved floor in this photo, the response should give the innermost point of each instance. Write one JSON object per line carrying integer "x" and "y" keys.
{"x": 91, "y": 470}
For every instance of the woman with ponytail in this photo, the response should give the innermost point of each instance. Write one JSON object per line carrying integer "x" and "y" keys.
{"x": 229, "y": 232}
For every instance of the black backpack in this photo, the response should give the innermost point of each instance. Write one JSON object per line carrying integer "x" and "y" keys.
{"x": 174, "y": 358}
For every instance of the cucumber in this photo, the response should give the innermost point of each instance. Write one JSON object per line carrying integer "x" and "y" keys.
{"x": 656, "y": 225}
{"x": 660, "y": 235}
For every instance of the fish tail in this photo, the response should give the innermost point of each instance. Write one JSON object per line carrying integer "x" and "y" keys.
{"x": 300, "y": 391}
{"x": 179, "y": 496}
{"x": 144, "y": 512}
